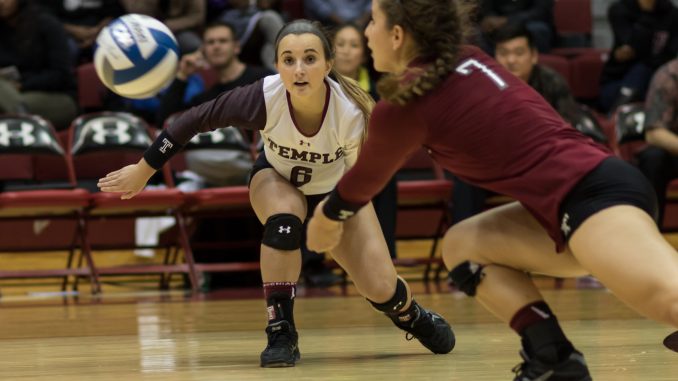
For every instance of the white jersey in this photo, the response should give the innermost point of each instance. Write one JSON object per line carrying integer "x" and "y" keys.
{"x": 315, "y": 163}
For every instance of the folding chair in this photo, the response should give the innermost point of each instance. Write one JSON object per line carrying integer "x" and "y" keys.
{"x": 106, "y": 141}
{"x": 222, "y": 202}
{"x": 40, "y": 208}
{"x": 424, "y": 196}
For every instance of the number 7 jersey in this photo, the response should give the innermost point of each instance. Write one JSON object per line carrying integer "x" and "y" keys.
{"x": 313, "y": 163}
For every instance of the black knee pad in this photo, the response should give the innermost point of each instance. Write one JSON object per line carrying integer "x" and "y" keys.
{"x": 397, "y": 302}
{"x": 283, "y": 232}
{"x": 467, "y": 276}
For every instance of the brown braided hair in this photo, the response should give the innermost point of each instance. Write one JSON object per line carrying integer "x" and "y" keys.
{"x": 439, "y": 28}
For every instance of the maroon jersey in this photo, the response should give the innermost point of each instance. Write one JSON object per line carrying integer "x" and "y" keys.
{"x": 488, "y": 128}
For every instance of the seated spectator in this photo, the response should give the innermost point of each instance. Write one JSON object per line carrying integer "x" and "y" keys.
{"x": 645, "y": 37}
{"x": 515, "y": 49}
{"x": 83, "y": 20}
{"x": 537, "y": 15}
{"x": 256, "y": 30}
{"x": 36, "y": 75}
{"x": 339, "y": 12}
{"x": 659, "y": 160}
{"x": 183, "y": 17}
{"x": 219, "y": 52}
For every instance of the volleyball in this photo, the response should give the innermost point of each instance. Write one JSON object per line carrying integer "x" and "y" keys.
{"x": 136, "y": 56}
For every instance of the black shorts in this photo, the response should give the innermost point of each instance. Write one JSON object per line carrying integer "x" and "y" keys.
{"x": 311, "y": 200}
{"x": 613, "y": 182}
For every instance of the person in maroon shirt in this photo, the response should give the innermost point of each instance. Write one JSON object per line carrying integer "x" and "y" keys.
{"x": 494, "y": 131}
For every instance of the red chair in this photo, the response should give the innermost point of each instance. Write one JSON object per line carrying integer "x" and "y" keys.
{"x": 423, "y": 206}
{"x": 557, "y": 63}
{"x": 229, "y": 202}
{"x": 574, "y": 23}
{"x": 40, "y": 208}
{"x": 103, "y": 142}
{"x": 586, "y": 72}
{"x": 91, "y": 90}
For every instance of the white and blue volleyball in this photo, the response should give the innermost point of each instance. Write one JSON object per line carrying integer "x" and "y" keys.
{"x": 136, "y": 56}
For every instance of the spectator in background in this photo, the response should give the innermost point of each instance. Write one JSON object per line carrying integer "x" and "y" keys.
{"x": 36, "y": 75}
{"x": 537, "y": 15}
{"x": 183, "y": 17}
{"x": 339, "y": 12}
{"x": 220, "y": 53}
{"x": 256, "y": 29}
{"x": 659, "y": 161}
{"x": 350, "y": 51}
{"x": 83, "y": 20}
{"x": 645, "y": 37}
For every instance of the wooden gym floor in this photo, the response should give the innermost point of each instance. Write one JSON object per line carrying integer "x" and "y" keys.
{"x": 131, "y": 334}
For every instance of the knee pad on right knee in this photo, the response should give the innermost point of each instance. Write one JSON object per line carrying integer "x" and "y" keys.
{"x": 283, "y": 232}
{"x": 467, "y": 276}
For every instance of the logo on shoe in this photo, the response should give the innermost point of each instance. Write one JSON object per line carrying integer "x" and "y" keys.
{"x": 271, "y": 312}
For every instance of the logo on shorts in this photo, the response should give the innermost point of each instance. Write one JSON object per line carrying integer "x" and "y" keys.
{"x": 565, "y": 225}
{"x": 285, "y": 229}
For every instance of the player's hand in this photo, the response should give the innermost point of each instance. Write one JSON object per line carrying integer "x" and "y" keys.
{"x": 191, "y": 63}
{"x": 322, "y": 233}
{"x": 129, "y": 180}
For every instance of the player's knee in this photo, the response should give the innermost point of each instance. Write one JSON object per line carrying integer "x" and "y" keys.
{"x": 283, "y": 232}
{"x": 467, "y": 276}
{"x": 457, "y": 246}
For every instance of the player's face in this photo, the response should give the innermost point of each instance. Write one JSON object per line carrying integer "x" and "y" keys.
{"x": 516, "y": 56}
{"x": 349, "y": 51}
{"x": 302, "y": 65}
{"x": 219, "y": 47}
{"x": 8, "y": 8}
{"x": 379, "y": 41}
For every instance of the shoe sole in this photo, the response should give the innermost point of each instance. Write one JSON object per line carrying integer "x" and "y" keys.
{"x": 282, "y": 364}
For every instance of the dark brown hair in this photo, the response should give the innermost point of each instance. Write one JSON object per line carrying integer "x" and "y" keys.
{"x": 350, "y": 87}
{"x": 439, "y": 28}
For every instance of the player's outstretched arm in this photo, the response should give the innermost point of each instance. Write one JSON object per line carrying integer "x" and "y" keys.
{"x": 128, "y": 180}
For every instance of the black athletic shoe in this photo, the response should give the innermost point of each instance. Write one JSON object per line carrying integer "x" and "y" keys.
{"x": 429, "y": 328}
{"x": 282, "y": 349}
{"x": 571, "y": 369}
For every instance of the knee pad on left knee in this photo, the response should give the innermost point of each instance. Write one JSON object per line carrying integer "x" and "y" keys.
{"x": 396, "y": 303}
{"x": 467, "y": 277}
{"x": 283, "y": 232}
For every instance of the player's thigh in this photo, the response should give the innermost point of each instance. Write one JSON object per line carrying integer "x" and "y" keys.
{"x": 622, "y": 247}
{"x": 362, "y": 250}
{"x": 272, "y": 194}
{"x": 508, "y": 235}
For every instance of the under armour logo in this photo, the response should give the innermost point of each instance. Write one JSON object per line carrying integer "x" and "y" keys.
{"x": 165, "y": 145}
{"x": 301, "y": 143}
{"x": 564, "y": 225}
{"x": 344, "y": 214}
{"x": 285, "y": 229}
{"x": 398, "y": 306}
